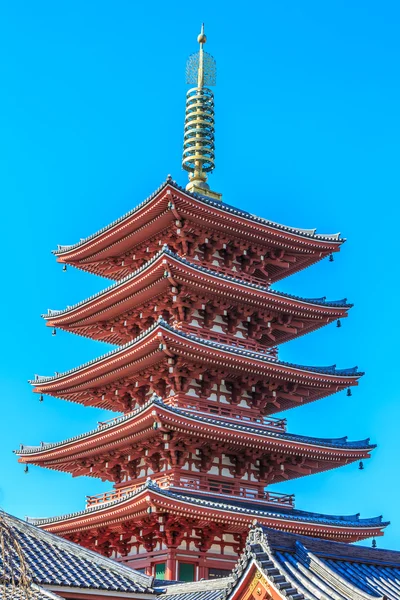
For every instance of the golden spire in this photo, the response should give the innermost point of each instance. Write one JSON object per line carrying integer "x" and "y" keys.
{"x": 198, "y": 143}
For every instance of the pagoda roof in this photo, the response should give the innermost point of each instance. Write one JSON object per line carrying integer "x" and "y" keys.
{"x": 121, "y": 435}
{"x": 161, "y": 326}
{"x": 349, "y": 527}
{"x": 61, "y": 565}
{"x": 135, "y": 289}
{"x": 140, "y": 223}
{"x": 161, "y": 341}
{"x": 307, "y": 568}
{"x": 252, "y": 431}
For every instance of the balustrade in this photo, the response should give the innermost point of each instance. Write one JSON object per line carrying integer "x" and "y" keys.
{"x": 228, "y": 339}
{"x": 236, "y": 413}
{"x": 240, "y": 274}
{"x": 224, "y": 488}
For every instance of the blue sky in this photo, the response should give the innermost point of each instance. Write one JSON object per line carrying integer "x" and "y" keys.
{"x": 308, "y": 128}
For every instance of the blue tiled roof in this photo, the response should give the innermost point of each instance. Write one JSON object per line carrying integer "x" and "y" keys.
{"x": 242, "y": 507}
{"x": 166, "y": 251}
{"x": 330, "y": 370}
{"x": 311, "y": 569}
{"x": 306, "y": 233}
{"x": 56, "y": 562}
{"x": 218, "y": 421}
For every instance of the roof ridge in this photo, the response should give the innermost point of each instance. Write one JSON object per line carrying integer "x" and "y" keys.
{"x": 322, "y": 569}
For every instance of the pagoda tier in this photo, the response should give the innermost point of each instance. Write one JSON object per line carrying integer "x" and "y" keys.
{"x": 188, "y": 450}
{"x": 151, "y": 524}
{"x": 198, "y": 227}
{"x": 190, "y": 371}
{"x": 199, "y": 300}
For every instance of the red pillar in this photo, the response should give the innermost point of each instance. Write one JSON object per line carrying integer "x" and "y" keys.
{"x": 202, "y": 569}
{"x": 170, "y": 567}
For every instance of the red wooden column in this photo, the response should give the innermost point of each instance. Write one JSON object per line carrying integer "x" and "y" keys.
{"x": 203, "y": 571}
{"x": 170, "y": 567}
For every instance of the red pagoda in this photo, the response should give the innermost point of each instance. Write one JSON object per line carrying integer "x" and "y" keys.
{"x": 195, "y": 376}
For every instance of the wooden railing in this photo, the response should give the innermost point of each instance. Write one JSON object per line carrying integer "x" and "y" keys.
{"x": 241, "y": 275}
{"x": 233, "y": 490}
{"x": 218, "y": 487}
{"x": 120, "y": 493}
{"x": 227, "y": 411}
{"x": 236, "y": 413}
{"x": 228, "y": 339}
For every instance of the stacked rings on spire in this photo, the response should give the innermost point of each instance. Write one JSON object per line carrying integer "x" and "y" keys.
{"x": 198, "y": 142}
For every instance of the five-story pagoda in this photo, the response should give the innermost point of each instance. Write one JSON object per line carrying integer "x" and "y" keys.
{"x": 196, "y": 375}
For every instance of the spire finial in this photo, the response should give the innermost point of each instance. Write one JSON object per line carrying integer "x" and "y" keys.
{"x": 201, "y": 38}
{"x": 198, "y": 143}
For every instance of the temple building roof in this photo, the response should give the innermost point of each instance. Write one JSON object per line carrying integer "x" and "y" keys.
{"x": 166, "y": 206}
{"x": 152, "y": 279}
{"x": 305, "y": 568}
{"x": 210, "y": 589}
{"x": 59, "y": 565}
{"x": 234, "y": 513}
{"x": 285, "y": 564}
{"x": 35, "y": 593}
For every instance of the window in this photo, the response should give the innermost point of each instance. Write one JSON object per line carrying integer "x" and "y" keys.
{"x": 186, "y": 571}
{"x": 217, "y": 573}
{"x": 159, "y": 571}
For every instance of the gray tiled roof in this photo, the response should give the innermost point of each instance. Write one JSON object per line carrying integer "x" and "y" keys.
{"x": 306, "y": 233}
{"x": 201, "y": 590}
{"x": 35, "y": 592}
{"x": 57, "y": 562}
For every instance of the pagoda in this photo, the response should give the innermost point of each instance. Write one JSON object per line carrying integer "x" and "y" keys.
{"x": 195, "y": 377}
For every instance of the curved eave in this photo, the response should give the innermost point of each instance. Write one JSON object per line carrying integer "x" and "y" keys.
{"x": 160, "y": 341}
{"x": 163, "y": 331}
{"x": 125, "y": 430}
{"x": 96, "y": 246}
{"x": 135, "y": 289}
{"x": 113, "y": 514}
